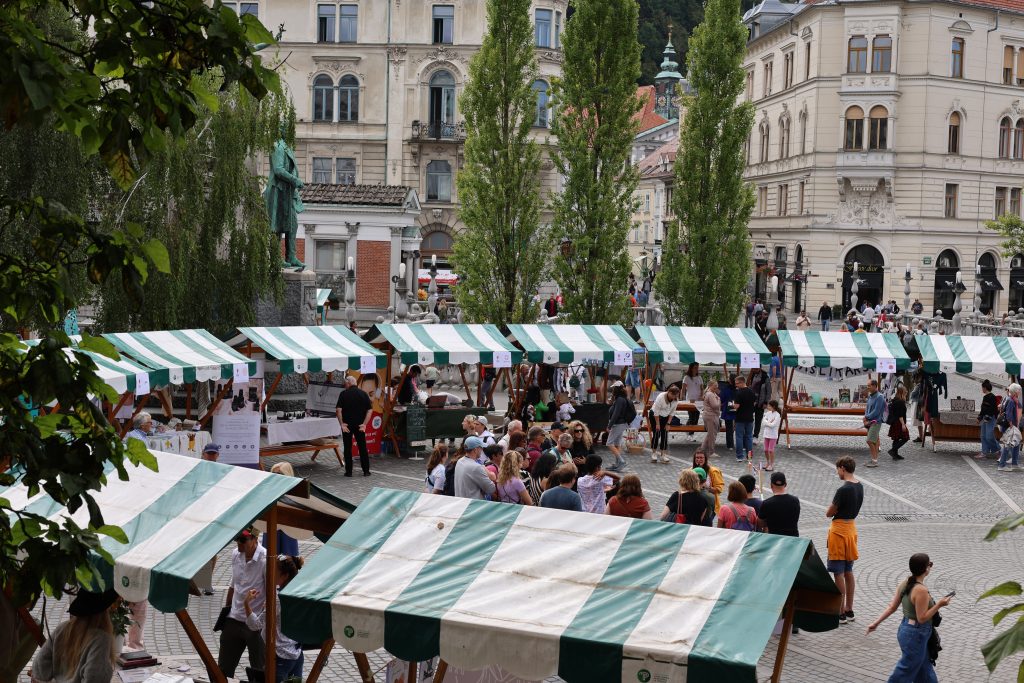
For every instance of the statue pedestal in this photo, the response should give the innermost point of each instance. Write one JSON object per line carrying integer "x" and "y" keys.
{"x": 298, "y": 307}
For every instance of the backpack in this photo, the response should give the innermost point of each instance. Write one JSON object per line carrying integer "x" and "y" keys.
{"x": 741, "y": 523}
{"x": 449, "y": 478}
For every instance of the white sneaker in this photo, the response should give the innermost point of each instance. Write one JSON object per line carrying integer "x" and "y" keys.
{"x": 665, "y": 459}
{"x": 654, "y": 456}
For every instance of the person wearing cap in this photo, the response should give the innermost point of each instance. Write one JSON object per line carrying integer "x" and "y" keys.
{"x": 781, "y": 512}
{"x": 248, "y": 573}
{"x": 709, "y": 497}
{"x": 471, "y": 478}
{"x": 354, "y": 410}
{"x": 81, "y": 649}
{"x": 481, "y": 431}
{"x": 211, "y": 452}
{"x": 556, "y": 430}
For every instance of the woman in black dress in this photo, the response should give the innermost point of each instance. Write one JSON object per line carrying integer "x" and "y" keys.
{"x": 898, "y": 430}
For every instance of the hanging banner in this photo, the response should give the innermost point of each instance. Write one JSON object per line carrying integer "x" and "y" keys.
{"x": 322, "y": 398}
{"x": 236, "y": 423}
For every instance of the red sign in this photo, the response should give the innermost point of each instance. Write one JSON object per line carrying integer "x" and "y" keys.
{"x": 374, "y": 433}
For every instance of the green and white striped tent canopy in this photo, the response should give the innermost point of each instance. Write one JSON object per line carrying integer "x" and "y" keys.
{"x": 705, "y": 345}
{"x": 187, "y": 355}
{"x": 841, "y": 349}
{"x": 447, "y": 344}
{"x": 313, "y": 348}
{"x": 121, "y": 375}
{"x": 175, "y": 519}
{"x": 951, "y": 353}
{"x": 322, "y": 295}
{"x": 568, "y": 344}
{"x": 538, "y": 591}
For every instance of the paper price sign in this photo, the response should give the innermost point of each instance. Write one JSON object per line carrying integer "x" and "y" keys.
{"x": 141, "y": 384}
{"x": 623, "y": 358}
{"x": 367, "y": 365}
{"x": 885, "y": 366}
{"x": 750, "y": 360}
{"x": 502, "y": 359}
{"x": 241, "y": 373}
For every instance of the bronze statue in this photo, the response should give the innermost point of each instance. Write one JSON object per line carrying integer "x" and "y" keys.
{"x": 282, "y": 197}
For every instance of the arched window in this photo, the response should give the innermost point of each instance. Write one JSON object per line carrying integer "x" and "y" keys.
{"x": 784, "y": 128}
{"x": 944, "y": 293}
{"x": 442, "y": 100}
{"x": 870, "y": 275}
{"x": 854, "y": 138}
{"x": 879, "y": 133}
{"x": 953, "y": 145}
{"x": 540, "y": 89}
{"x": 1018, "y": 140}
{"x": 987, "y": 260}
{"x": 323, "y": 98}
{"x": 766, "y": 135}
{"x": 1005, "y": 128}
{"x": 437, "y": 242}
{"x": 881, "y": 54}
{"x": 857, "y": 62}
{"x": 803, "y": 132}
{"x": 348, "y": 99}
{"x": 957, "y": 58}
{"x": 947, "y": 259}
{"x": 439, "y": 181}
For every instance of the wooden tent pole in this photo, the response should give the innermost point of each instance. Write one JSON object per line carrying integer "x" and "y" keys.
{"x": 168, "y": 410}
{"x": 440, "y": 671}
{"x": 787, "y": 628}
{"x": 321, "y": 661}
{"x": 270, "y": 603}
{"x": 270, "y": 391}
{"x": 785, "y": 401}
{"x": 465, "y": 384}
{"x": 363, "y": 664}
{"x": 212, "y": 668}
{"x": 389, "y": 405}
{"x": 120, "y": 404}
{"x": 494, "y": 384}
{"x": 216, "y": 402}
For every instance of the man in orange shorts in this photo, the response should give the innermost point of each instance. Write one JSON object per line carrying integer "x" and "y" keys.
{"x": 842, "y": 533}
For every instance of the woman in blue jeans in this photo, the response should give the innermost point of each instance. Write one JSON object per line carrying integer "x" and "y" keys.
{"x": 916, "y": 627}
{"x": 987, "y": 422}
{"x": 1009, "y": 459}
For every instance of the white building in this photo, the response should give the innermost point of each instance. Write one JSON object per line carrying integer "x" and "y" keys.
{"x": 887, "y": 132}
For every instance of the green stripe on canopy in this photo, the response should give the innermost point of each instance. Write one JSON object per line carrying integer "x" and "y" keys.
{"x": 313, "y": 348}
{"x": 175, "y": 519}
{"x": 538, "y": 591}
{"x": 186, "y": 355}
{"x": 984, "y": 355}
{"x": 443, "y": 344}
{"x": 566, "y": 344}
{"x": 841, "y": 349}
{"x": 705, "y": 345}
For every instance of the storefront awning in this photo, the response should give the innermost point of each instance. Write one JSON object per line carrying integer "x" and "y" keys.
{"x": 122, "y": 375}
{"x": 841, "y": 349}
{"x": 187, "y": 355}
{"x": 446, "y": 344}
{"x": 322, "y": 295}
{"x": 567, "y": 344}
{"x": 175, "y": 519}
{"x": 313, "y": 348}
{"x": 705, "y": 345}
{"x": 444, "y": 278}
{"x": 990, "y": 284}
{"x": 538, "y": 591}
{"x": 951, "y": 353}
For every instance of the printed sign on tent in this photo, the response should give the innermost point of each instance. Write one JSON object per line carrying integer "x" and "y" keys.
{"x": 141, "y": 384}
{"x": 885, "y": 366}
{"x": 502, "y": 359}
{"x": 750, "y": 360}
{"x": 367, "y": 364}
{"x": 623, "y": 358}
{"x": 241, "y": 373}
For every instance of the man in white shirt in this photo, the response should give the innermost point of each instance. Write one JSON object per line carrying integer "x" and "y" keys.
{"x": 142, "y": 428}
{"x": 248, "y": 572}
{"x": 472, "y": 480}
{"x": 480, "y": 425}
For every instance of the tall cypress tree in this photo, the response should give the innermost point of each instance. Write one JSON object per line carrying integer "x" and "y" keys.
{"x": 706, "y": 258}
{"x": 501, "y": 255}
{"x": 596, "y": 100}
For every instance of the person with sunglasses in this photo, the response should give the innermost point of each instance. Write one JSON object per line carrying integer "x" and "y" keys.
{"x": 919, "y": 618}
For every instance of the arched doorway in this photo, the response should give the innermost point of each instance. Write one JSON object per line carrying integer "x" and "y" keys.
{"x": 437, "y": 243}
{"x": 870, "y": 275}
{"x": 990, "y": 283}
{"x": 798, "y": 278}
{"x": 946, "y": 267}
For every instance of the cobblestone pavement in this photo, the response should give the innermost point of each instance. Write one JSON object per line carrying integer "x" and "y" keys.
{"x": 942, "y": 503}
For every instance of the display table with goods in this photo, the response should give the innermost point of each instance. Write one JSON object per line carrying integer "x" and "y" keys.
{"x": 865, "y": 355}
{"x": 458, "y": 346}
{"x": 724, "y": 347}
{"x": 942, "y": 354}
{"x": 418, "y": 575}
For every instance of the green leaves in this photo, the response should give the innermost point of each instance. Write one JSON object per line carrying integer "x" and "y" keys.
{"x": 1010, "y": 641}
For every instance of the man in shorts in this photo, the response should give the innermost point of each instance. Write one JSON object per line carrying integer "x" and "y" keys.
{"x": 873, "y": 413}
{"x": 842, "y": 533}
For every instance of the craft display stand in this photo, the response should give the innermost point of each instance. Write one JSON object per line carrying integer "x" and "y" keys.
{"x": 794, "y": 409}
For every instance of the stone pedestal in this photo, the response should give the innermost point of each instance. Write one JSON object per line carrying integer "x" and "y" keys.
{"x": 298, "y": 307}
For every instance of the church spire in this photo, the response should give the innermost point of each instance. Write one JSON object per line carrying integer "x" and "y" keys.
{"x": 667, "y": 81}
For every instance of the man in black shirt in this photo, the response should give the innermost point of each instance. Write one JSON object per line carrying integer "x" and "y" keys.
{"x": 354, "y": 411}
{"x": 842, "y": 533}
{"x": 781, "y": 512}
{"x": 743, "y": 400}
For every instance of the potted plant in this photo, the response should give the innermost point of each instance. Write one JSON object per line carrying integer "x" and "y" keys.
{"x": 121, "y": 618}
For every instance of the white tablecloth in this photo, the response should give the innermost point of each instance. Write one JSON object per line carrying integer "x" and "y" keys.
{"x": 304, "y": 429}
{"x": 182, "y": 443}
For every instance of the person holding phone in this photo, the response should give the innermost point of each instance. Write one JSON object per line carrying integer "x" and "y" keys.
{"x": 919, "y": 612}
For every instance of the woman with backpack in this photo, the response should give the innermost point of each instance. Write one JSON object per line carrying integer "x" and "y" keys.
{"x": 510, "y": 486}
{"x": 1009, "y": 421}
{"x": 737, "y": 515}
{"x": 687, "y": 505}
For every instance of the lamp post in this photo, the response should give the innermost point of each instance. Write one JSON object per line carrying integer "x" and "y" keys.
{"x": 906, "y": 290}
{"x": 854, "y": 288}
{"x": 401, "y": 289}
{"x": 350, "y": 293}
{"x": 958, "y": 288}
{"x": 432, "y": 287}
{"x": 773, "y": 304}
{"x": 977, "y": 297}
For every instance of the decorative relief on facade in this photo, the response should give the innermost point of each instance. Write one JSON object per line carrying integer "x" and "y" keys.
{"x": 442, "y": 53}
{"x": 553, "y": 56}
{"x": 863, "y": 204}
{"x": 397, "y": 57}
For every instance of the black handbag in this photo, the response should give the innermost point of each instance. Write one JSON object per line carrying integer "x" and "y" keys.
{"x": 219, "y": 624}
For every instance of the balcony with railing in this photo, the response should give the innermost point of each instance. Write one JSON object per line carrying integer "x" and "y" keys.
{"x": 438, "y": 131}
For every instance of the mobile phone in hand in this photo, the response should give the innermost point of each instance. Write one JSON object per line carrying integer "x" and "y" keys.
{"x": 950, "y": 594}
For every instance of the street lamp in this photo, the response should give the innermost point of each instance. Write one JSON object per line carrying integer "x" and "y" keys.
{"x": 854, "y": 288}
{"x": 907, "y": 277}
{"x": 401, "y": 288}
{"x": 958, "y": 288}
{"x": 977, "y": 295}
{"x": 350, "y": 293}
{"x": 773, "y": 304}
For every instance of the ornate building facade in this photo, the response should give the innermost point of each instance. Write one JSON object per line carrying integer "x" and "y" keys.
{"x": 886, "y": 134}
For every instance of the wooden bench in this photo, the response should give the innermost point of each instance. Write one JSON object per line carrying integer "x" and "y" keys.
{"x": 289, "y": 449}
{"x": 826, "y": 431}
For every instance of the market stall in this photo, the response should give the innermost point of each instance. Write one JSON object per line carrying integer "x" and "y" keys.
{"x": 301, "y": 350}
{"x": 176, "y": 518}
{"x": 440, "y": 345}
{"x": 740, "y": 348}
{"x": 843, "y": 356}
{"x": 481, "y": 583}
{"x": 941, "y": 354}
